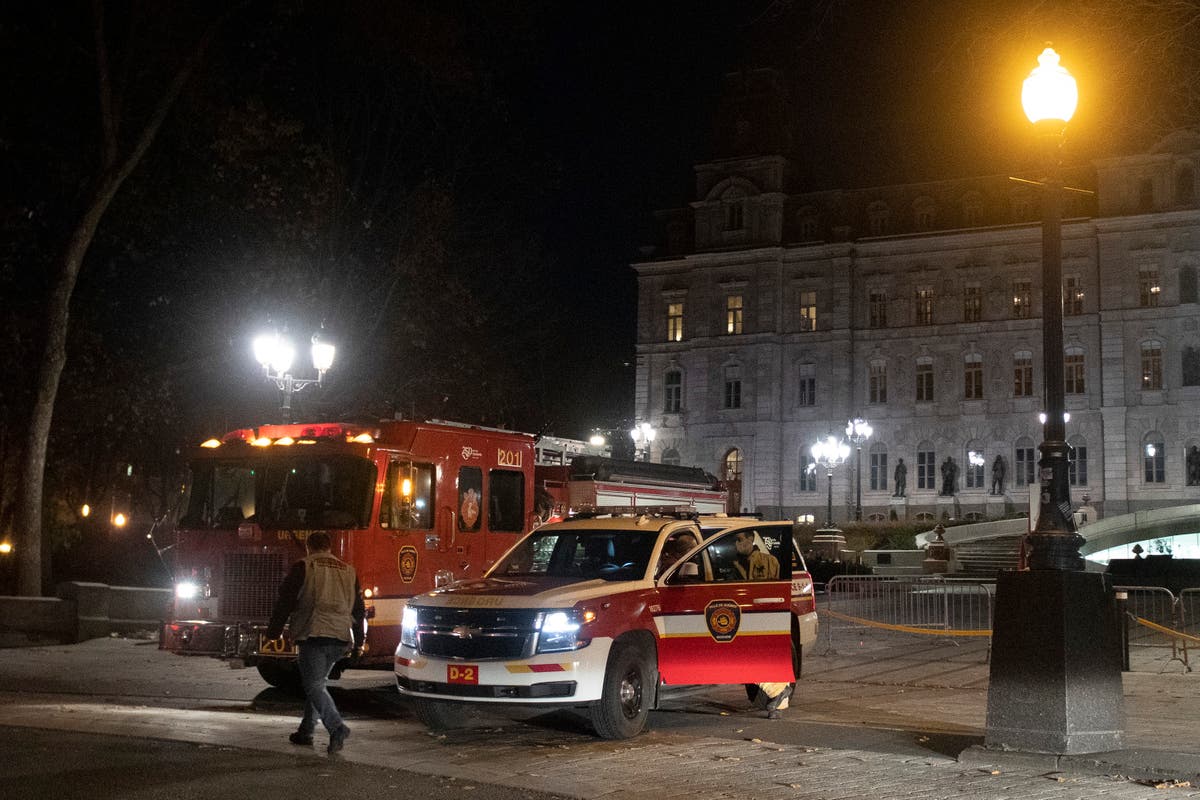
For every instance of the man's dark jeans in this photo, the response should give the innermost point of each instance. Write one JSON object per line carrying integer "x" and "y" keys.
{"x": 318, "y": 654}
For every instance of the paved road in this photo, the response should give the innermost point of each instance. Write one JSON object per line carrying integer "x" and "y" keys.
{"x": 864, "y": 726}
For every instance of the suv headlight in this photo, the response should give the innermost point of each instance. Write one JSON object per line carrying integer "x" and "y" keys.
{"x": 560, "y": 630}
{"x": 408, "y": 627}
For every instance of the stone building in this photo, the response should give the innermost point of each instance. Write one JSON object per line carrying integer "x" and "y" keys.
{"x": 768, "y": 316}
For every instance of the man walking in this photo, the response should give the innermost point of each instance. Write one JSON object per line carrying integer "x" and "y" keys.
{"x": 321, "y": 596}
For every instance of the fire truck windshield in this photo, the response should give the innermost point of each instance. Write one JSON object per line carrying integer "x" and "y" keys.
{"x": 617, "y": 555}
{"x": 281, "y": 492}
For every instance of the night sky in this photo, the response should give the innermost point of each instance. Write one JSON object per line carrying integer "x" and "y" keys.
{"x": 495, "y": 164}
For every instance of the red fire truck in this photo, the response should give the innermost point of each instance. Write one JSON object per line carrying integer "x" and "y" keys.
{"x": 411, "y": 505}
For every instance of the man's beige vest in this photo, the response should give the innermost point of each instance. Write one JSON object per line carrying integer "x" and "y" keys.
{"x": 326, "y": 600}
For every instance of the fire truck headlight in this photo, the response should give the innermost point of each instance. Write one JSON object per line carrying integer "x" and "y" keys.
{"x": 559, "y": 631}
{"x": 186, "y": 590}
{"x": 408, "y": 627}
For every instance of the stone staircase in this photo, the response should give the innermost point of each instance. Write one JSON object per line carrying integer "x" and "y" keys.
{"x": 986, "y": 557}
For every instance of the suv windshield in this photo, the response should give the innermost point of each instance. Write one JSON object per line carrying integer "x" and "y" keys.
{"x": 613, "y": 555}
{"x": 305, "y": 492}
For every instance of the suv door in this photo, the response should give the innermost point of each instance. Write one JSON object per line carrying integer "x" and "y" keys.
{"x": 724, "y": 614}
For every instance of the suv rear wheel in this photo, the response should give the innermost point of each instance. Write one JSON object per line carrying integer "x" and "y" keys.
{"x": 624, "y": 704}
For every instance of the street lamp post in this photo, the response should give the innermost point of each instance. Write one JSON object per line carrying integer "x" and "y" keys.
{"x": 275, "y": 352}
{"x": 829, "y": 453}
{"x": 858, "y": 430}
{"x": 1055, "y": 680}
{"x": 643, "y": 436}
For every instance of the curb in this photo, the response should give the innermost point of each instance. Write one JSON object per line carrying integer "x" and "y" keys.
{"x": 1146, "y": 765}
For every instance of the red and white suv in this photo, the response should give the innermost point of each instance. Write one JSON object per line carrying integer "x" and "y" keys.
{"x": 598, "y": 613}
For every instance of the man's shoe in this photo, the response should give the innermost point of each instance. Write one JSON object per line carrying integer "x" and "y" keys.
{"x": 337, "y": 739}
{"x": 774, "y": 714}
{"x": 302, "y": 739}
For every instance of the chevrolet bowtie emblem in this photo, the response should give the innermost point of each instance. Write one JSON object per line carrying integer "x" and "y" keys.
{"x": 465, "y": 631}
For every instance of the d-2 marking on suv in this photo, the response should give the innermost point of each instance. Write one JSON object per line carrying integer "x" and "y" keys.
{"x": 597, "y": 613}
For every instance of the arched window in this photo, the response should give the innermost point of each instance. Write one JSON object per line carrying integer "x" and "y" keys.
{"x": 1154, "y": 458}
{"x": 879, "y": 467}
{"x": 1077, "y": 469}
{"x": 672, "y": 391}
{"x": 1026, "y": 462}
{"x": 670, "y": 456}
{"x": 924, "y": 213}
{"x": 731, "y": 469}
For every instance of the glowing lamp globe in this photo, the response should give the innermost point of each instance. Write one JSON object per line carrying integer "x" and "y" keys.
{"x": 1049, "y": 93}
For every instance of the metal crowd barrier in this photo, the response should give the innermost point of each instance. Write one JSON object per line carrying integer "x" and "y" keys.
{"x": 1155, "y": 617}
{"x": 923, "y": 605}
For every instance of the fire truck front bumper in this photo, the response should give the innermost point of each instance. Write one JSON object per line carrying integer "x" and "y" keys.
{"x": 219, "y": 639}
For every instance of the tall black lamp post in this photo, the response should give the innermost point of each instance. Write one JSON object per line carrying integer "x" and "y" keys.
{"x": 1055, "y": 684}
{"x": 858, "y": 430}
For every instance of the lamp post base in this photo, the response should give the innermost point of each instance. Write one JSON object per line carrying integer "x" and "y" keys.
{"x": 1056, "y": 665}
{"x": 829, "y": 543}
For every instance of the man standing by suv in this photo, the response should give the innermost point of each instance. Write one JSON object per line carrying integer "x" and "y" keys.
{"x": 321, "y": 596}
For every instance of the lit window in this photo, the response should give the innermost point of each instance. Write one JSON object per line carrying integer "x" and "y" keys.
{"x": 1021, "y": 291}
{"x": 924, "y": 305}
{"x": 1148, "y": 288}
{"x": 1072, "y": 296}
{"x": 1154, "y": 455}
{"x": 808, "y": 471}
{"x": 808, "y": 311}
{"x": 675, "y": 322}
{"x": 973, "y": 472}
{"x": 733, "y": 314}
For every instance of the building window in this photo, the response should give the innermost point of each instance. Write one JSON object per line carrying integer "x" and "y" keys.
{"x": 877, "y": 382}
{"x": 972, "y": 303}
{"x": 808, "y": 228}
{"x": 808, "y": 311}
{"x": 1191, "y": 366}
{"x": 733, "y": 314}
{"x": 734, "y": 215}
{"x": 879, "y": 467}
{"x": 973, "y": 377}
{"x": 923, "y": 303}
{"x": 1154, "y": 459}
{"x": 1187, "y": 284}
{"x": 1185, "y": 186}
{"x": 1152, "y": 366}
{"x": 877, "y": 308}
{"x": 1073, "y": 371}
{"x": 671, "y": 456}
{"x": 973, "y": 479}
{"x": 808, "y": 472}
{"x": 1021, "y": 292}
{"x": 1022, "y": 373}
{"x": 925, "y": 380}
{"x": 1072, "y": 296}
{"x": 1026, "y": 462}
{"x": 672, "y": 392}
{"x": 1077, "y": 468}
{"x": 807, "y": 386}
{"x": 732, "y": 397}
{"x": 674, "y": 322}
{"x": 926, "y": 467}
{"x": 1148, "y": 288}
{"x": 924, "y": 214}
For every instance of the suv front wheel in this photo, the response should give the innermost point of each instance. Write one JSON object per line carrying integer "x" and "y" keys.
{"x": 624, "y": 704}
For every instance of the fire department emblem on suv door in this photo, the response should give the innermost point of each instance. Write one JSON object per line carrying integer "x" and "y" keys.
{"x": 406, "y": 561}
{"x": 723, "y": 618}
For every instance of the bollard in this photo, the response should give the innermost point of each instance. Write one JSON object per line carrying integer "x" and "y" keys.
{"x": 1123, "y": 628}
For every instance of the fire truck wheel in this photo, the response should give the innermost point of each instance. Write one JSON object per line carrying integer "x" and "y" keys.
{"x": 282, "y": 675}
{"x": 629, "y": 681}
{"x": 439, "y": 715}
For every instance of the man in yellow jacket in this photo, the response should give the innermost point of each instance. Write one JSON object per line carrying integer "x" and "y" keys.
{"x": 321, "y": 596}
